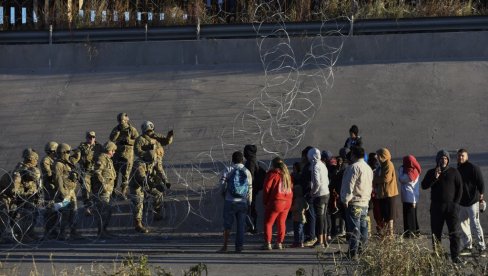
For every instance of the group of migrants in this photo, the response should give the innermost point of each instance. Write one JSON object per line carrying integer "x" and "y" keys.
{"x": 331, "y": 196}
{"x": 49, "y": 187}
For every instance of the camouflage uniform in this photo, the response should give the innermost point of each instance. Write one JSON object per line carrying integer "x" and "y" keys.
{"x": 8, "y": 191}
{"x": 49, "y": 190}
{"x": 123, "y": 135}
{"x": 103, "y": 185}
{"x": 145, "y": 179}
{"x": 154, "y": 141}
{"x": 88, "y": 154}
{"x": 28, "y": 175}
{"x": 66, "y": 181}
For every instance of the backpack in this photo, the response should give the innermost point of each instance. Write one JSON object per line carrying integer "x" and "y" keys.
{"x": 237, "y": 183}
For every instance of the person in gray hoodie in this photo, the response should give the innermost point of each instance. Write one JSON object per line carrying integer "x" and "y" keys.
{"x": 319, "y": 191}
{"x": 356, "y": 189}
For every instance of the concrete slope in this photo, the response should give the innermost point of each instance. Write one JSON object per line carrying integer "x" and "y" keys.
{"x": 411, "y": 108}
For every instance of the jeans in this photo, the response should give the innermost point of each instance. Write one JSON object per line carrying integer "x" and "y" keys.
{"x": 319, "y": 204}
{"x": 357, "y": 227}
{"x": 470, "y": 226}
{"x": 237, "y": 210}
{"x": 309, "y": 227}
{"x": 298, "y": 236}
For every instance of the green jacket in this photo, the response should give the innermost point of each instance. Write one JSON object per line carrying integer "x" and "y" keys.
{"x": 124, "y": 138}
{"x": 154, "y": 141}
{"x": 89, "y": 153}
{"x": 104, "y": 175}
{"x": 144, "y": 175}
{"x": 65, "y": 180}
{"x": 29, "y": 178}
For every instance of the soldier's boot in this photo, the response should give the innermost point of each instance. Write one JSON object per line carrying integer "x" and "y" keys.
{"x": 139, "y": 227}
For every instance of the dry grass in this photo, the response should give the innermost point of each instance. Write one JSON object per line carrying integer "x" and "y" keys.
{"x": 177, "y": 12}
{"x": 130, "y": 266}
{"x": 403, "y": 257}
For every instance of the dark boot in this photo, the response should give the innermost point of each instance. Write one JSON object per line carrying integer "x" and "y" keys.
{"x": 139, "y": 227}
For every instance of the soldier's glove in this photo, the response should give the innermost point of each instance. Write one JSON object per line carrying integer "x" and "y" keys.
{"x": 170, "y": 133}
{"x": 168, "y": 185}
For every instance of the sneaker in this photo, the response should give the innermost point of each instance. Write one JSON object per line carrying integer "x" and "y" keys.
{"x": 278, "y": 246}
{"x": 482, "y": 252}
{"x": 318, "y": 245}
{"x": 458, "y": 261}
{"x": 465, "y": 252}
{"x": 310, "y": 242}
{"x": 266, "y": 246}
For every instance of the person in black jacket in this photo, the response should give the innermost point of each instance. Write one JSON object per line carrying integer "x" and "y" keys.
{"x": 469, "y": 215}
{"x": 446, "y": 187}
{"x": 305, "y": 181}
{"x": 258, "y": 175}
{"x": 354, "y": 140}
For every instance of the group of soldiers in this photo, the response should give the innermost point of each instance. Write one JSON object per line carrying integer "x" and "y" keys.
{"x": 49, "y": 187}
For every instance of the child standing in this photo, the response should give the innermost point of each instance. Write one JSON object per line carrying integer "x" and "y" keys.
{"x": 299, "y": 206}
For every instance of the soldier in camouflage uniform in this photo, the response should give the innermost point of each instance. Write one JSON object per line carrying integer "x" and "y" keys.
{"x": 89, "y": 151}
{"x": 66, "y": 181}
{"x": 103, "y": 185}
{"x": 8, "y": 192}
{"x": 145, "y": 179}
{"x": 49, "y": 190}
{"x": 123, "y": 135}
{"x": 150, "y": 140}
{"x": 28, "y": 175}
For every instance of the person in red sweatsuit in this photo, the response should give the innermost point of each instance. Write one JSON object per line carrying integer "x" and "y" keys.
{"x": 277, "y": 198}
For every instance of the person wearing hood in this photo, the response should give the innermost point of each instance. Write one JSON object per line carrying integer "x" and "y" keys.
{"x": 277, "y": 200}
{"x": 408, "y": 175}
{"x": 319, "y": 192}
{"x": 304, "y": 180}
{"x": 446, "y": 189}
{"x": 385, "y": 183}
{"x": 258, "y": 174}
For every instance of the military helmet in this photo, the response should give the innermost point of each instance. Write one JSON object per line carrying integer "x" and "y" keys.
{"x": 110, "y": 146}
{"x": 30, "y": 154}
{"x": 147, "y": 125}
{"x": 51, "y": 147}
{"x": 63, "y": 148}
{"x": 121, "y": 116}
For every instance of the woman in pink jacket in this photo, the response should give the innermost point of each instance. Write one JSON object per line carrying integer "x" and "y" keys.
{"x": 277, "y": 198}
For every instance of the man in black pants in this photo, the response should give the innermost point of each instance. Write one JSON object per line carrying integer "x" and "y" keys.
{"x": 446, "y": 190}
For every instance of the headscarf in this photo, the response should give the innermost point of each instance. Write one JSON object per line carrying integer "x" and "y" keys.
{"x": 411, "y": 167}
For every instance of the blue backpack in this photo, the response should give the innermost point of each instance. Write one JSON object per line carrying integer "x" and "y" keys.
{"x": 237, "y": 183}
